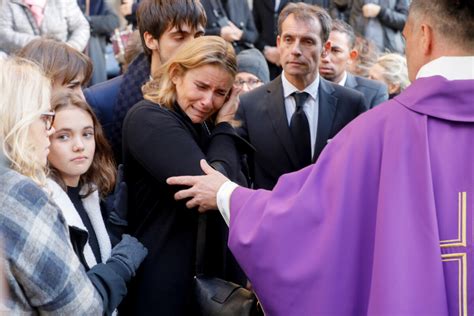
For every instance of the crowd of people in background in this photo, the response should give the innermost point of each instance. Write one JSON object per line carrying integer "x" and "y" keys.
{"x": 106, "y": 106}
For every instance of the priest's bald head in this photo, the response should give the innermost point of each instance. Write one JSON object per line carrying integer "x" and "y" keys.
{"x": 438, "y": 28}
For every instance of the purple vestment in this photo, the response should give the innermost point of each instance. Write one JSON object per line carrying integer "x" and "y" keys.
{"x": 381, "y": 224}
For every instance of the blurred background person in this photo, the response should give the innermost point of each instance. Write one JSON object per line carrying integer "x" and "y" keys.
{"x": 132, "y": 50}
{"x": 392, "y": 70}
{"x": 185, "y": 117}
{"x": 42, "y": 271}
{"x": 265, "y": 15}
{"x": 380, "y": 21}
{"x": 23, "y": 21}
{"x": 335, "y": 63}
{"x": 232, "y": 20}
{"x": 102, "y": 21}
{"x": 128, "y": 9}
{"x": 367, "y": 54}
{"x": 252, "y": 70}
{"x": 340, "y": 9}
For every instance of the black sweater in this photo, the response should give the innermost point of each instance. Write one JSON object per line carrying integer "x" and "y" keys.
{"x": 159, "y": 143}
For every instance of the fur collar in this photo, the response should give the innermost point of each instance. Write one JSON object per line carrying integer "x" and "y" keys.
{"x": 92, "y": 207}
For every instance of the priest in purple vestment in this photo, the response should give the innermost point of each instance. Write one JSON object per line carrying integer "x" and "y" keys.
{"x": 382, "y": 224}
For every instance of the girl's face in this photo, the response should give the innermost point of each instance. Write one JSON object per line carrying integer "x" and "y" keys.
{"x": 39, "y": 134}
{"x": 73, "y": 144}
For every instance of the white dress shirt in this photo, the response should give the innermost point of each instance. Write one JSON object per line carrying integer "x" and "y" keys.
{"x": 342, "y": 82}
{"x": 277, "y": 5}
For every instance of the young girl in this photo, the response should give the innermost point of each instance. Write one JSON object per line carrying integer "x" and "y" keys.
{"x": 82, "y": 174}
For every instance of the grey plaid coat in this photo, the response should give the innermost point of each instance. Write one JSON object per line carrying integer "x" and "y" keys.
{"x": 41, "y": 270}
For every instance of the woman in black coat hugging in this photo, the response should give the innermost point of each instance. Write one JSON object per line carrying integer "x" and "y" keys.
{"x": 186, "y": 116}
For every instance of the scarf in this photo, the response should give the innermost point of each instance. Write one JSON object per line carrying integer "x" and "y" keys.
{"x": 37, "y": 9}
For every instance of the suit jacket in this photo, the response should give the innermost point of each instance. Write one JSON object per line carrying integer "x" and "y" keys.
{"x": 265, "y": 125}
{"x": 374, "y": 92}
{"x": 102, "y": 98}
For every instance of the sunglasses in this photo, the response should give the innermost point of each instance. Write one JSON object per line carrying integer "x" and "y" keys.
{"x": 48, "y": 119}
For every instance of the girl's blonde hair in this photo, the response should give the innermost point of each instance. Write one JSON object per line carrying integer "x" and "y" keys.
{"x": 25, "y": 94}
{"x": 201, "y": 51}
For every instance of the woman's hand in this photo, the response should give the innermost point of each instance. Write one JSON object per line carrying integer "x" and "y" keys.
{"x": 228, "y": 110}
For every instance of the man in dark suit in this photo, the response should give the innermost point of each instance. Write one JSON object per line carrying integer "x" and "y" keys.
{"x": 290, "y": 119}
{"x": 164, "y": 26}
{"x": 334, "y": 65}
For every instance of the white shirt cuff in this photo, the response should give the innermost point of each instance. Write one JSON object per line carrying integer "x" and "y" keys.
{"x": 223, "y": 199}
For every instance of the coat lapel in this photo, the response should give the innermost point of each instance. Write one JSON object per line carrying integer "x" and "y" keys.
{"x": 351, "y": 82}
{"x": 275, "y": 107}
{"x": 327, "y": 111}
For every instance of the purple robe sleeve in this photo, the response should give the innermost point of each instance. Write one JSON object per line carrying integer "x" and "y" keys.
{"x": 340, "y": 237}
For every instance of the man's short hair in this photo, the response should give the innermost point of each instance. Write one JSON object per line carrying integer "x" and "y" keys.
{"x": 343, "y": 27}
{"x": 454, "y": 19}
{"x": 304, "y": 11}
{"x": 157, "y": 16}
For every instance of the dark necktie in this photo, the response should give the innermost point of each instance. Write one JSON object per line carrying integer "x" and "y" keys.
{"x": 299, "y": 128}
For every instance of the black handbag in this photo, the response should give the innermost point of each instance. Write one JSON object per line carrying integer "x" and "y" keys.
{"x": 217, "y": 297}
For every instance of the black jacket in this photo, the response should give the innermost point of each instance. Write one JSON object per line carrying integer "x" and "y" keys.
{"x": 265, "y": 125}
{"x": 159, "y": 143}
{"x": 109, "y": 280}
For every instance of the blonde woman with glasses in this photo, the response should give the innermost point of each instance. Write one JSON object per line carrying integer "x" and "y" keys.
{"x": 42, "y": 273}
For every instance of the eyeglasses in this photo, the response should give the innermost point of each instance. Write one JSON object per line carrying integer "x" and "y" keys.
{"x": 250, "y": 83}
{"x": 48, "y": 119}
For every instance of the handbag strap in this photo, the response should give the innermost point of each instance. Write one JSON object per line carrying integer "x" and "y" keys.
{"x": 200, "y": 243}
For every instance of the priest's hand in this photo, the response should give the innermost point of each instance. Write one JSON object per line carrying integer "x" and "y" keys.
{"x": 203, "y": 189}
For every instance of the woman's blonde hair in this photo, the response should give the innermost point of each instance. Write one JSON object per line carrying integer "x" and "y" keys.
{"x": 395, "y": 70}
{"x": 25, "y": 94}
{"x": 201, "y": 51}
